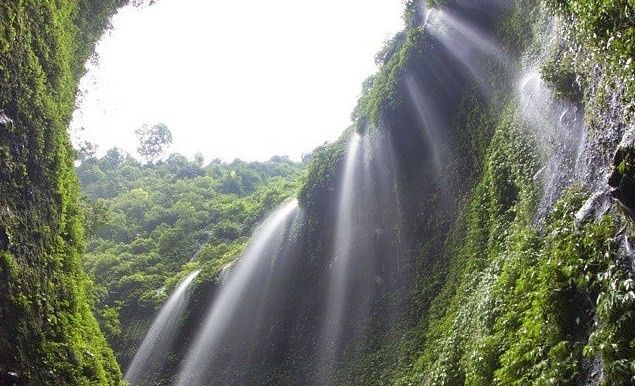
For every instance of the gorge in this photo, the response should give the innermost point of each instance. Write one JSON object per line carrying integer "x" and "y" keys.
{"x": 474, "y": 226}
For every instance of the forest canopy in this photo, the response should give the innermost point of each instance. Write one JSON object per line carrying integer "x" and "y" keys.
{"x": 145, "y": 222}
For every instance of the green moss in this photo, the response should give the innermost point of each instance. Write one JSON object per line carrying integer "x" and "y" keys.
{"x": 517, "y": 304}
{"x": 623, "y": 167}
{"x": 522, "y": 302}
{"x": 530, "y": 305}
{"x": 382, "y": 95}
{"x": 559, "y": 73}
{"x": 601, "y": 32}
{"x": 49, "y": 334}
{"x": 323, "y": 169}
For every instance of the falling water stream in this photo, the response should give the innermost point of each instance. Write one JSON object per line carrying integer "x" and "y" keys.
{"x": 468, "y": 44}
{"x": 341, "y": 263}
{"x": 152, "y": 353}
{"x": 256, "y": 311}
{"x": 202, "y": 357}
{"x": 366, "y": 252}
{"x": 558, "y": 132}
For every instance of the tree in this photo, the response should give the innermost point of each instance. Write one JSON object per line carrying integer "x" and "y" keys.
{"x": 199, "y": 159}
{"x": 114, "y": 157}
{"x": 144, "y": 223}
{"x": 96, "y": 214}
{"x": 86, "y": 150}
{"x": 153, "y": 141}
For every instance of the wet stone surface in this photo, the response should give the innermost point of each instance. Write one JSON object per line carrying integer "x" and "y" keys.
{"x": 594, "y": 208}
{"x": 627, "y": 255}
{"x": 622, "y": 178}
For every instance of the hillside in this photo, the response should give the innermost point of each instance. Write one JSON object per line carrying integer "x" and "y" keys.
{"x": 145, "y": 223}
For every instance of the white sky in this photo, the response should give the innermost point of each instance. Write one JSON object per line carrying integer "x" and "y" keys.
{"x": 232, "y": 79}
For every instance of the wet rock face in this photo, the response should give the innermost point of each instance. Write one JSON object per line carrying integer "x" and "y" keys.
{"x": 626, "y": 254}
{"x": 594, "y": 208}
{"x": 622, "y": 179}
{"x": 624, "y": 193}
{"x": 591, "y": 373}
{"x": 605, "y": 128}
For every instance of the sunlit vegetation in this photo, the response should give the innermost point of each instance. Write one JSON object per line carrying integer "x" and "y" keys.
{"x": 48, "y": 334}
{"x": 492, "y": 290}
{"x": 145, "y": 223}
{"x": 153, "y": 141}
{"x": 522, "y": 302}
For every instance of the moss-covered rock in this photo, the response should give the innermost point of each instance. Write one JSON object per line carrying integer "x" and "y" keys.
{"x": 48, "y": 334}
{"x": 507, "y": 296}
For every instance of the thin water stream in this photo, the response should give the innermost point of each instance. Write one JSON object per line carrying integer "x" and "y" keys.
{"x": 152, "y": 354}
{"x": 220, "y": 322}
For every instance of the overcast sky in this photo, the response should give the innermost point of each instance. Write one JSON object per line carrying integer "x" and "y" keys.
{"x": 234, "y": 79}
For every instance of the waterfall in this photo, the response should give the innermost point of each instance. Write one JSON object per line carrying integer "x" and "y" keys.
{"x": 275, "y": 303}
{"x": 337, "y": 292}
{"x": 232, "y": 320}
{"x": 557, "y": 128}
{"x": 467, "y": 44}
{"x": 308, "y": 295}
{"x": 431, "y": 124}
{"x": 152, "y": 354}
{"x": 363, "y": 274}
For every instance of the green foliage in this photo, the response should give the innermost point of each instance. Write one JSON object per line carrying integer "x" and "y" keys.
{"x": 517, "y": 307}
{"x": 600, "y": 32}
{"x": 528, "y": 306}
{"x": 153, "y": 141}
{"x": 147, "y": 223}
{"x": 322, "y": 172}
{"x": 523, "y": 302}
{"x": 609, "y": 24}
{"x": 562, "y": 79}
{"x": 379, "y": 92}
{"x": 48, "y": 333}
